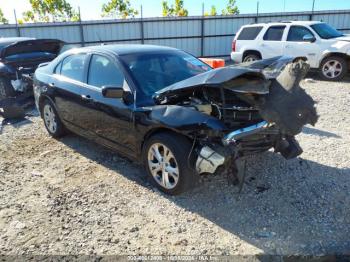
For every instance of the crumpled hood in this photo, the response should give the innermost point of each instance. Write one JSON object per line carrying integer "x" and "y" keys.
{"x": 52, "y": 46}
{"x": 270, "y": 85}
{"x": 221, "y": 77}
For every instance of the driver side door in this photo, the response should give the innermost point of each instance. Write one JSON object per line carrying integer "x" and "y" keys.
{"x": 111, "y": 119}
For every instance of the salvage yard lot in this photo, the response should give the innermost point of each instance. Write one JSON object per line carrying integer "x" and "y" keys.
{"x": 71, "y": 196}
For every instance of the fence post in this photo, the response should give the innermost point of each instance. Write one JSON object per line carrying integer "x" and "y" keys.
{"x": 202, "y": 31}
{"x": 141, "y": 27}
{"x": 17, "y": 27}
{"x": 81, "y": 29}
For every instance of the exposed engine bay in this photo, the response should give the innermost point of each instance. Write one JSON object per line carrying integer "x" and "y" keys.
{"x": 260, "y": 105}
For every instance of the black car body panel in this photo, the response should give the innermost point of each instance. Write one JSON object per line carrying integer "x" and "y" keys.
{"x": 235, "y": 111}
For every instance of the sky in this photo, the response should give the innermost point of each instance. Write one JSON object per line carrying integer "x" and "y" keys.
{"x": 91, "y": 9}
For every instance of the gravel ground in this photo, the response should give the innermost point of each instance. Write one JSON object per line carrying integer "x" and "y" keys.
{"x": 71, "y": 196}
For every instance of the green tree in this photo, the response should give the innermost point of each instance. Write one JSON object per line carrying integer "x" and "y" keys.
{"x": 213, "y": 10}
{"x": 50, "y": 11}
{"x": 231, "y": 8}
{"x": 118, "y": 8}
{"x": 3, "y": 20}
{"x": 177, "y": 10}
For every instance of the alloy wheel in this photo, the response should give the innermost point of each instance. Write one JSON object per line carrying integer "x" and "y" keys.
{"x": 332, "y": 69}
{"x": 50, "y": 118}
{"x": 163, "y": 165}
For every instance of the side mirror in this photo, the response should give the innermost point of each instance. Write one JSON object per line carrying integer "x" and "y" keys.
{"x": 112, "y": 91}
{"x": 309, "y": 38}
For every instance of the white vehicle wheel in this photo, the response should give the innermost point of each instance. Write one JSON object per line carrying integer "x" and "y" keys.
{"x": 333, "y": 68}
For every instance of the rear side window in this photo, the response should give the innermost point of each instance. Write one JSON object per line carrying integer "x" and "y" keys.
{"x": 297, "y": 33}
{"x": 274, "y": 33}
{"x": 103, "y": 72}
{"x": 73, "y": 67}
{"x": 249, "y": 33}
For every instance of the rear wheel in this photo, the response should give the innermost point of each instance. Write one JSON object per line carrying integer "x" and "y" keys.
{"x": 6, "y": 89}
{"x": 250, "y": 57}
{"x": 52, "y": 122}
{"x": 165, "y": 156}
{"x": 333, "y": 68}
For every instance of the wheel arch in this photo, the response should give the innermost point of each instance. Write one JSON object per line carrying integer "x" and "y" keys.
{"x": 157, "y": 130}
{"x": 339, "y": 54}
{"x": 251, "y": 51}
{"x": 41, "y": 101}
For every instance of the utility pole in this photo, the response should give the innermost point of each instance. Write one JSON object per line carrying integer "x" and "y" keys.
{"x": 312, "y": 10}
{"x": 257, "y": 11}
{"x": 141, "y": 26}
{"x": 17, "y": 28}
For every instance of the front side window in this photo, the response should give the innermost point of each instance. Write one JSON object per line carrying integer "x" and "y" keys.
{"x": 297, "y": 33}
{"x": 325, "y": 31}
{"x": 274, "y": 33}
{"x": 103, "y": 72}
{"x": 73, "y": 67}
{"x": 152, "y": 72}
{"x": 249, "y": 33}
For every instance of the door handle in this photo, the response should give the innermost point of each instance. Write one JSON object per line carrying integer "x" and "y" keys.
{"x": 86, "y": 97}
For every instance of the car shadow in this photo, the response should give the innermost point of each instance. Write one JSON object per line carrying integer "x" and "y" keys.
{"x": 286, "y": 207}
{"x": 318, "y": 132}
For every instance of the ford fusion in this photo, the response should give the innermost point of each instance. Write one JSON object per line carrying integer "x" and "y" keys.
{"x": 170, "y": 111}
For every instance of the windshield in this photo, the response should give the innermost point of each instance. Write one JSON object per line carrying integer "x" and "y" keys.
{"x": 152, "y": 72}
{"x": 325, "y": 31}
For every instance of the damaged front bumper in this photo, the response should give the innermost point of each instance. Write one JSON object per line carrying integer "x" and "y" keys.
{"x": 245, "y": 141}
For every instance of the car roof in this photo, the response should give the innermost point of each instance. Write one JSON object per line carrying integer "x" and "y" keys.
{"x": 285, "y": 22}
{"x": 10, "y": 40}
{"x": 124, "y": 49}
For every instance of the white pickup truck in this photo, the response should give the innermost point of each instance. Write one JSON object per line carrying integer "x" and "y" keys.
{"x": 325, "y": 48}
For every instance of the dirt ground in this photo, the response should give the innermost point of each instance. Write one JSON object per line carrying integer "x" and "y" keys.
{"x": 71, "y": 196}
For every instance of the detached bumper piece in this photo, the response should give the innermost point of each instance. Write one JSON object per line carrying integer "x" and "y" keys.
{"x": 208, "y": 160}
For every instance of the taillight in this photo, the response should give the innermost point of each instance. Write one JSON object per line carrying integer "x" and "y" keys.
{"x": 234, "y": 46}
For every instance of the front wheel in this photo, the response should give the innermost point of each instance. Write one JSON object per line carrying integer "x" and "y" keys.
{"x": 333, "y": 68}
{"x": 165, "y": 156}
{"x": 52, "y": 122}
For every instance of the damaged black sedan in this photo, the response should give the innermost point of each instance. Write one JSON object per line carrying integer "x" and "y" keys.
{"x": 171, "y": 111}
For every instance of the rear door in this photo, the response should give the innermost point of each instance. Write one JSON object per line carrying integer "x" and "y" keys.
{"x": 296, "y": 45}
{"x": 67, "y": 81}
{"x": 111, "y": 119}
{"x": 273, "y": 41}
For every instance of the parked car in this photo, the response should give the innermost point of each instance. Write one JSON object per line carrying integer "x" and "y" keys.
{"x": 325, "y": 48}
{"x": 168, "y": 109}
{"x": 19, "y": 57}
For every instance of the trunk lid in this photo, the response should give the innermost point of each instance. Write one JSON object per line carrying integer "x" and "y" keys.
{"x": 47, "y": 46}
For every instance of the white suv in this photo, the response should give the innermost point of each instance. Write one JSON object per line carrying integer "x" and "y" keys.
{"x": 326, "y": 49}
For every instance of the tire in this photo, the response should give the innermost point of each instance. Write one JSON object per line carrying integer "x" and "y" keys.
{"x": 179, "y": 147}
{"x": 53, "y": 124}
{"x": 339, "y": 68}
{"x": 250, "y": 57}
{"x": 6, "y": 89}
